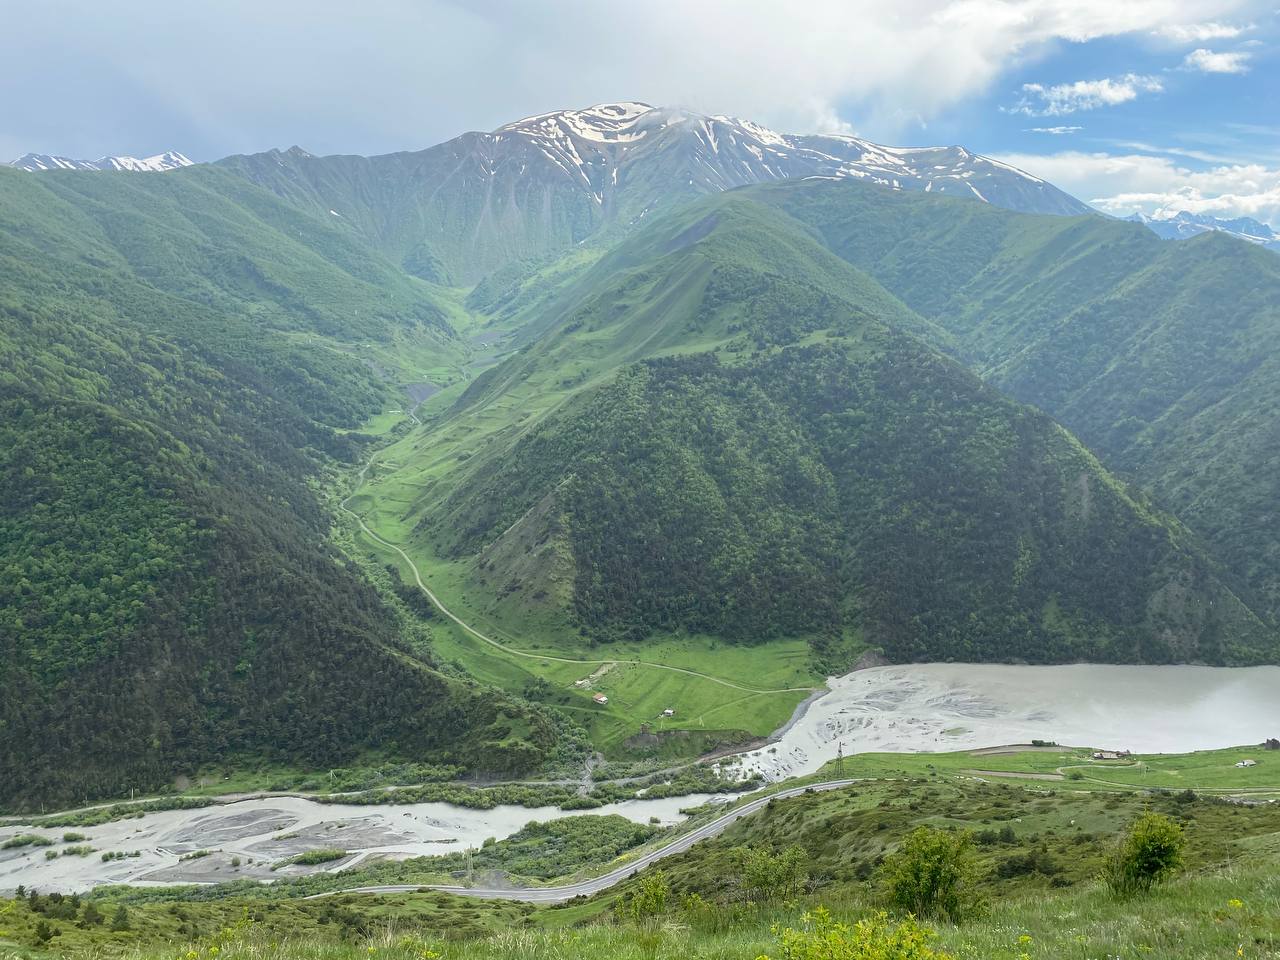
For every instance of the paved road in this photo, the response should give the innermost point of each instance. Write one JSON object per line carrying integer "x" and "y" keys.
{"x": 587, "y": 887}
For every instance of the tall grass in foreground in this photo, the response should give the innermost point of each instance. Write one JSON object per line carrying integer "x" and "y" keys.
{"x": 1234, "y": 913}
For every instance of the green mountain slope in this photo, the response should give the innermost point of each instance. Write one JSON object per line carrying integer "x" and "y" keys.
{"x": 1161, "y": 357}
{"x": 170, "y": 596}
{"x": 730, "y": 433}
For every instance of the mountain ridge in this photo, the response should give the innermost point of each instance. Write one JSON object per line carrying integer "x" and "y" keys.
{"x": 1159, "y": 356}
{"x": 159, "y": 163}
{"x": 729, "y": 434}
{"x": 454, "y": 212}
{"x": 1184, "y": 225}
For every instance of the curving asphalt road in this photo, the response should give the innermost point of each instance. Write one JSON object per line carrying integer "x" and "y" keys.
{"x": 585, "y": 888}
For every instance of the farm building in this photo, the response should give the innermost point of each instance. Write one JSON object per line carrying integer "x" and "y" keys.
{"x": 1111, "y": 754}
{"x": 668, "y": 712}
{"x": 600, "y": 698}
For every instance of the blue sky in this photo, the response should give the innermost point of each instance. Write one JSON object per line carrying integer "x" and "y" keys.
{"x": 1157, "y": 105}
{"x": 1147, "y": 122}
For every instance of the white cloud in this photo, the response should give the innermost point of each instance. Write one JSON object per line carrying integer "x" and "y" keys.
{"x": 243, "y": 74}
{"x": 1056, "y": 131}
{"x": 1064, "y": 98}
{"x": 1200, "y": 32}
{"x": 1201, "y": 155}
{"x": 1121, "y": 184}
{"x": 1210, "y": 62}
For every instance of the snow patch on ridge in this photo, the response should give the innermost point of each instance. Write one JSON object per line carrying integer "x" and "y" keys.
{"x": 161, "y": 162}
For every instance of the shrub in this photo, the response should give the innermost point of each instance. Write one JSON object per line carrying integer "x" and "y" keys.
{"x": 26, "y": 840}
{"x": 649, "y": 901}
{"x": 312, "y": 857}
{"x": 934, "y": 874}
{"x": 765, "y": 876}
{"x": 875, "y": 938}
{"x": 1150, "y": 853}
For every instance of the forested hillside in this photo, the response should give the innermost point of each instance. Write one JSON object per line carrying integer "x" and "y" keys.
{"x": 170, "y": 595}
{"x": 1162, "y": 357}
{"x": 784, "y": 462}
{"x": 740, "y": 422}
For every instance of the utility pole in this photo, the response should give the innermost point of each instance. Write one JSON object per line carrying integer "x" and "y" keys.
{"x": 840, "y": 757}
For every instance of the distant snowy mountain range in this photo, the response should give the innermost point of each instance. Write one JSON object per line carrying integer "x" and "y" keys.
{"x": 170, "y": 160}
{"x": 616, "y": 162}
{"x": 1184, "y": 225}
{"x": 455, "y": 212}
{"x": 598, "y": 145}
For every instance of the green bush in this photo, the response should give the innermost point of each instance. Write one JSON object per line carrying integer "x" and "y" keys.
{"x": 650, "y": 900}
{"x": 26, "y": 840}
{"x": 312, "y": 857}
{"x": 934, "y": 874}
{"x": 766, "y": 876}
{"x": 1148, "y": 855}
{"x": 874, "y": 938}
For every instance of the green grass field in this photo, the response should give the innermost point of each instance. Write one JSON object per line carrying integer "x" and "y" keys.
{"x": 1205, "y": 771}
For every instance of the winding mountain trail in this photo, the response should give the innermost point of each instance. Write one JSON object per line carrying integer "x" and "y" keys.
{"x": 512, "y": 651}
{"x": 591, "y": 885}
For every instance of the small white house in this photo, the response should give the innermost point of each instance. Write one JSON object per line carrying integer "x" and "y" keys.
{"x": 600, "y": 698}
{"x": 668, "y": 712}
{"x": 1247, "y": 763}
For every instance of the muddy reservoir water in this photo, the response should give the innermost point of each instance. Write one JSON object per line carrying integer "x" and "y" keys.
{"x": 953, "y": 706}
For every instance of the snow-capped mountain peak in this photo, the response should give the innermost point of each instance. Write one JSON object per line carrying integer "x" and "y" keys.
{"x": 605, "y": 122}
{"x": 169, "y": 160}
{"x": 598, "y": 147}
{"x": 1185, "y": 224}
